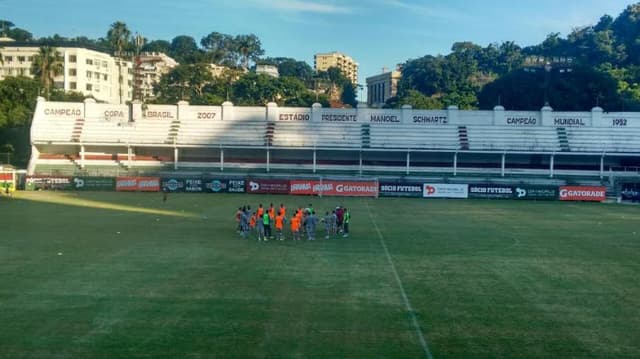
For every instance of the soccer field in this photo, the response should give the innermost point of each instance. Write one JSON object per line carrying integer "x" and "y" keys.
{"x": 124, "y": 275}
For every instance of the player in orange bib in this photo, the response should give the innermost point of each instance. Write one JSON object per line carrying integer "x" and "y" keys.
{"x": 282, "y": 211}
{"x": 279, "y": 226}
{"x": 260, "y": 211}
{"x": 252, "y": 222}
{"x": 295, "y": 227}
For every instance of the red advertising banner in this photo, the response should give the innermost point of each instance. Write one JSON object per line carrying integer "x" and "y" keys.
{"x": 273, "y": 186}
{"x": 583, "y": 193}
{"x": 135, "y": 184}
{"x": 334, "y": 188}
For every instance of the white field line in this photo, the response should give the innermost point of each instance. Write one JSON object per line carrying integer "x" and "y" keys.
{"x": 407, "y": 303}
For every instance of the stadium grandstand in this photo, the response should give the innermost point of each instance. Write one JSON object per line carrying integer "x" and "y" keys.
{"x": 97, "y": 139}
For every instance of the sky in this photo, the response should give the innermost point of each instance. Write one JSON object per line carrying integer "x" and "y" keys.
{"x": 376, "y": 33}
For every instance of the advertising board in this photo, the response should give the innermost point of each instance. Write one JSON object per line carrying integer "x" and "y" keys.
{"x": 538, "y": 193}
{"x": 400, "y": 189}
{"x": 490, "y": 191}
{"x": 440, "y": 190}
{"x": 47, "y": 182}
{"x": 334, "y": 188}
{"x": 94, "y": 183}
{"x": 583, "y": 193}
{"x": 272, "y": 186}
{"x": 137, "y": 184}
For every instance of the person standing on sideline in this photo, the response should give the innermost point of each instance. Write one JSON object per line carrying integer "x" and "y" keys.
{"x": 327, "y": 223}
{"x": 340, "y": 218}
{"x": 260, "y": 211}
{"x": 260, "y": 227}
{"x": 282, "y": 211}
{"x": 311, "y": 226}
{"x": 266, "y": 220}
{"x": 334, "y": 223}
{"x": 238, "y": 218}
{"x": 280, "y": 219}
{"x": 295, "y": 227}
{"x": 165, "y": 193}
{"x": 244, "y": 223}
{"x": 347, "y": 219}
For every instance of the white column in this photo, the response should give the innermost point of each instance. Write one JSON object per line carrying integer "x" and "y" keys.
{"x": 551, "y": 166}
{"x": 360, "y": 163}
{"x": 175, "y": 158}
{"x": 314, "y": 160}
{"x": 408, "y": 161}
{"x": 268, "y": 160}
{"x": 82, "y": 156}
{"x": 504, "y": 155}
{"x": 221, "y": 159}
{"x": 455, "y": 164}
{"x": 602, "y": 167}
{"x": 129, "y": 156}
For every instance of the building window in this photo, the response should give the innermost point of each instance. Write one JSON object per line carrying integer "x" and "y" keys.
{"x": 73, "y": 58}
{"x": 73, "y": 86}
{"x": 104, "y": 64}
{"x": 73, "y": 72}
{"x": 105, "y": 77}
{"x": 8, "y": 58}
{"x": 89, "y": 62}
{"x": 88, "y": 74}
{"x": 89, "y": 87}
{"x": 21, "y": 59}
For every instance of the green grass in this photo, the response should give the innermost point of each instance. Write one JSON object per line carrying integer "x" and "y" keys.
{"x": 486, "y": 279}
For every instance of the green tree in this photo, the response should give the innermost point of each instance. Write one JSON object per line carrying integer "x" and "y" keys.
{"x": 119, "y": 37}
{"x": 184, "y": 82}
{"x": 47, "y": 64}
{"x": 249, "y": 48}
{"x": 349, "y": 94}
{"x": 220, "y": 49}
{"x": 162, "y": 46}
{"x": 185, "y": 50}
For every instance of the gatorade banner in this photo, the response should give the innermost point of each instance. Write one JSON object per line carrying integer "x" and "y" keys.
{"x": 537, "y": 193}
{"x": 439, "y": 190}
{"x": 94, "y": 183}
{"x": 138, "y": 184}
{"x": 583, "y": 193}
{"x": 272, "y": 186}
{"x": 41, "y": 182}
{"x": 490, "y": 191}
{"x": 400, "y": 189}
{"x": 334, "y": 188}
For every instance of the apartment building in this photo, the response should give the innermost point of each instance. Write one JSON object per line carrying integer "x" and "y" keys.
{"x": 322, "y": 62}
{"x": 89, "y": 72}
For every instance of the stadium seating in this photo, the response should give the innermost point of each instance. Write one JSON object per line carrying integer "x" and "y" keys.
{"x": 502, "y": 138}
{"x": 216, "y": 132}
{"x": 310, "y": 135}
{"x": 414, "y": 137}
{"x": 609, "y": 140}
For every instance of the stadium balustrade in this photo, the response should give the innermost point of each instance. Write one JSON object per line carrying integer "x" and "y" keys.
{"x": 502, "y": 138}
{"x": 414, "y": 137}
{"x": 600, "y": 140}
{"x": 308, "y": 134}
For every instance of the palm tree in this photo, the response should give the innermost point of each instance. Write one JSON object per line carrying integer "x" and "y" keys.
{"x": 249, "y": 48}
{"x": 47, "y": 64}
{"x": 119, "y": 37}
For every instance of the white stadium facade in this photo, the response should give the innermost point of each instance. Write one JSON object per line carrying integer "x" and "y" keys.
{"x": 97, "y": 139}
